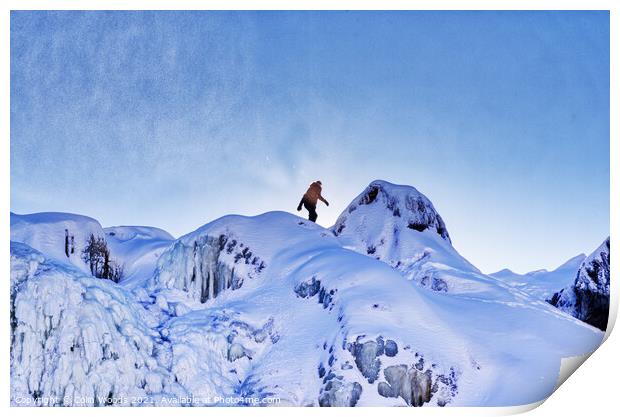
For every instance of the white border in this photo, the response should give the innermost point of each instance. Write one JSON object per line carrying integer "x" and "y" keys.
{"x": 592, "y": 392}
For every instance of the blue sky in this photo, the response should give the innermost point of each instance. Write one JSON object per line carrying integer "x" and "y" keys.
{"x": 173, "y": 119}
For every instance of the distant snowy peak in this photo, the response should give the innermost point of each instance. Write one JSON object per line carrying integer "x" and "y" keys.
{"x": 542, "y": 284}
{"x": 571, "y": 265}
{"x": 588, "y": 297}
{"x": 404, "y": 202}
{"x": 504, "y": 273}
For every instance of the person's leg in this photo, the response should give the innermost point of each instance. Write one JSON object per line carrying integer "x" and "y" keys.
{"x": 311, "y": 212}
{"x": 312, "y": 215}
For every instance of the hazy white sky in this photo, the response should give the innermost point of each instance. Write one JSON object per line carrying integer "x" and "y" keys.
{"x": 173, "y": 119}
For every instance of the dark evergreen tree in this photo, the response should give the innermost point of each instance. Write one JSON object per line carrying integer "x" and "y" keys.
{"x": 97, "y": 255}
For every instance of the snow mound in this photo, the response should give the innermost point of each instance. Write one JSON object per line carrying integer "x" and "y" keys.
{"x": 316, "y": 324}
{"x": 542, "y": 284}
{"x": 61, "y": 236}
{"x": 588, "y": 297}
{"x": 137, "y": 249}
{"x": 75, "y": 338}
{"x": 412, "y": 209}
{"x": 214, "y": 258}
{"x": 399, "y": 226}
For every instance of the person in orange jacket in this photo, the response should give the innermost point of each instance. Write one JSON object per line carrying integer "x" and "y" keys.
{"x": 310, "y": 199}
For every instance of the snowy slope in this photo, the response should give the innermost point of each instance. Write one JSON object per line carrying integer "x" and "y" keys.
{"x": 309, "y": 309}
{"x": 587, "y": 298}
{"x": 52, "y": 233}
{"x": 325, "y": 313}
{"x": 137, "y": 249}
{"x": 370, "y": 312}
{"x": 542, "y": 284}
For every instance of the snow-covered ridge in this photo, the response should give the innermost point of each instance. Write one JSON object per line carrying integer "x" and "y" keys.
{"x": 542, "y": 284}
{"x": 274, "y": 306}
{"x": 63, "y": 237}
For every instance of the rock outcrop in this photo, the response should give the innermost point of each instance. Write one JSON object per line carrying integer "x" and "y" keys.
{"x": 588, "y": 297}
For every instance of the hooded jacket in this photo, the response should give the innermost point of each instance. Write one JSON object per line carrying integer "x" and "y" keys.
{"x": 314, "y": 194}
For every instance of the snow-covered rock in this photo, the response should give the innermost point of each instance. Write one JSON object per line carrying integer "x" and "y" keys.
{"x": 588, "y": 297}
{"x": 400, "y": 226}
{"x": 78, "y": 340}
{"x": 207, "y": 262}
{"x": 409, "y": 207}
{"x": 542, "y": 284}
